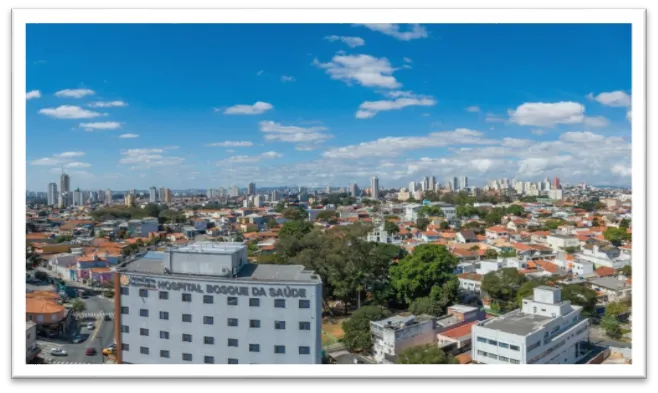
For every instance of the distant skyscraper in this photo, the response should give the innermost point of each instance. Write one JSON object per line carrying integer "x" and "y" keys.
{"x": 209, "y": 193}
{"x": 129, "y": 199}
{"x": 276, "y": 195}
{"x": 77, "y": 197}
{"x": 455, "y": 185}
{"x": 464, "y": 184}
{"x": 327, "y": 189}
{"x": 132, "y": 192}
{"x": 354, "y": 190}
{"x": 100, "y": 195}
{"x": 556, "y": 184}
{"x": 153, "y": 196}
{"x": 52, "y": 194}
{"x": 412, "y": 187}
{"x": 235, "y": 191}
{"x": 251, "y": 189}
{"x": 425, "y": 184}
{"x": 108, "y": 197}
{"x": 431, "y": 185}
{"x": 167, "y": 195}
{"x": 374, "y": 187}
{"x": 161, "y": 193}
{"x": 64, "y": 183}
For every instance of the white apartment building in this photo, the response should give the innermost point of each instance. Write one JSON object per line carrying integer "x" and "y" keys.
{"x": 204, "y": 303}
{"x": 546, "y": 330}
{"x": 379, "y": 234}
{"x": 557, "y": 242}
{"x": 31, "y": 347}
{"x": 582, "y": 268}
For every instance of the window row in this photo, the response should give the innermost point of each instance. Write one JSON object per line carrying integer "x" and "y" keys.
{"x": 210, "y": 299}
{"x": 164, "y": 335}
{"x": 231, "y": 322}
{"x": 278, "y": 349}
{"x": 498, "y": 343}
{"x": 501, "y": 358}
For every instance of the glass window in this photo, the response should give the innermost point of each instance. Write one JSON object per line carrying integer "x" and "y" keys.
{"x": 164, "y": 354}
{"x": 492, "y": 342}
{"x": 143, "y": 332}
{"x": 304, "y": 326}
{"x": 232, "y": 322}
{"x": 144, "y": 350}
{"x": 143, "y": 312}
{"x": 164, "y": 295}
{"x": 208, "y": 360}
{"x": 232, "y": 301}
{"x": 187, "y": 357}
{"x": 232, "y": 342}
{"x": 232, "y": 361}
{"x": 187, "y": 317}
{"x": 124, "y": 310}
{"x": 125, "y": 329}
{"x": 208, "y": 299}
{"x": 279, "y": 349}
{"x": 164, "y": 335}
{"x": 143, "y": 292}
{"x": 503, "y": 358}
{"x": 279, "y": 325}
{"x": 209, "y": 340}
{"x": 514, "y": 361}
{"x": 254, "y": 323}
{"x": 125, "y": 347}
{"x": 304, "y": 350}
{"x": 304, "y": 303}
{"x": 187, "y": 297}
{"x": 208, "y": 320}
{"x": 187, "y": 338}
{"x": 124, "y": 290}
{"x": 514, "y": 347}
{"x": 254, "y": 302}
{"x": 279, "y": 303}
{"x": 482, "y": 340}
{"x": 254, "y": 347}
{"x": 164, "y": 315}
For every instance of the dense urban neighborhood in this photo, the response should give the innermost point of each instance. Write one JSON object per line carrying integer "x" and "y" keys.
{"x": 514, "y": 272}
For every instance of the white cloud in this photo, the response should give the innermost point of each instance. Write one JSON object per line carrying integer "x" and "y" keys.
{"x": 107, "y": 104}
{"x": 69, "y": 112}
{"x": 231, "y": 144}
{"x": 105, "y": 125}
{"x": 394, "y": 146}
{"x": 538, "y": 132}
{"x": 371, "y": 108}
{"x": 69, "y": 154}
{"x": 61, "y": 159}
{"x": 598, "y": 121}
{"x": 128, "y": 136}
{"x": 46, "y": 161}
{"x": 614, "y": 98}
{"x": 250, "y": 159}
{"x": 256, "y": 109}
{"x": 407, "y": 60}
{"x": 74, "y": 93}
{"x": 304, "y": 148}
{"x": 629, "y": 116}
{"x": 493, "y": 118}
{"x": 473, "y": 109}
{"x": 293, "y": 134}
{"x": 394, "y": 30}
{"x": 581, "y": 137}
{"x": 352, "y": 42}
{"x": 542, "y": 114}
{"x": 150, "y": 157}
{"x": 286, "y": 78}
{"x": 622, "y": 170}
{"x": 366, "y": 70}
{"x": 77, "y": 165}
{"x": 32, "y": 94}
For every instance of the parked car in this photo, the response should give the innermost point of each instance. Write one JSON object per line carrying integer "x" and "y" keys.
{"x": 58, "y": 352}
{"x": 90, "y": 351}
{"x": 107, "y": 317}
{"x": 90, "y": 326}
{"x": 77, "y": 339}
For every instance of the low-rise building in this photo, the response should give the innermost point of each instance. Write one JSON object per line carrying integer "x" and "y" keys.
{"x": 31, "y": 347}
{"x": 611, "y": 288}
{"x": 557, "y": 241}
{"x": 546, "y": 330}
{"x": 470, "y": 282}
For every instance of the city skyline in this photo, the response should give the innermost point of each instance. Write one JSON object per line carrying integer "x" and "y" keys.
{"x": 389, "y": 108}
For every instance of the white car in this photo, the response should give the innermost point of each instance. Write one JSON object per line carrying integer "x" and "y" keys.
{"x": 58, "y": 352}
{"x": 90, "y": 326}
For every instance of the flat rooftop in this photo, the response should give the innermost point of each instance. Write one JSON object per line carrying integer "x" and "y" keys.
{"x": 398, "y": 321}
{"x": 151, "y": 264}
{"x": 209, "y": 247}
{"x": 516, "y": 322}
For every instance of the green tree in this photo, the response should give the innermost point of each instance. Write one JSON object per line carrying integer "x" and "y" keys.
{"x": 526, "y": 290}
{"x": 553, "y": 224}
{"x": 425, "y": 354}
{"x": 271, "y": 223}
{"x": 580, "y": 296}
{"x": 415, "y": 275}
{"x": 516, "y": 210}
{"x": 595, "y": 222}
{"x": 624, "y": 223}
{"x": 295, "y": 229}
{"x": 279, "y": 207}
{"x": 490, "y": 253}
{"x": 611, "y": 327}
{"x": 507, "y": 254}
{"x": 326, "y": 215}
{"x": 615, "y": 309}
{"x": 494, "y": 217}
{"x": 616, "y": 235}
{"x": 294, "y": 213}
{"x": 627, "y": 271}
{"x": 466, "y": 211}
{"x": 77, "y": 305}
{"x": 391, "y": 228}
{"x": 422, "y": 223}
{"x": 430, "y": 211}
{"x": 503, "y": 285}
{"x": 357, "y": 327}
{"x": 444, "y": 225}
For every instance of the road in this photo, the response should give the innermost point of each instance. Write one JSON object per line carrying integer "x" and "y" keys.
{"x": 597, "y": 336}
{"x": 96, "y": 307}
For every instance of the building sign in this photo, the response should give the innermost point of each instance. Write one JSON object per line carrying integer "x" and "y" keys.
{"x": 212, "y": 289}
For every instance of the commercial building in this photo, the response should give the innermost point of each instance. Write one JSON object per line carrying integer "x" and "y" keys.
{"x": 374, "y": 187}
{"x": 546, "y": 330}
{"x": 52, "y": 194}
{"x": 153, "y": 196}
{"x": 167, "y": 195}
{"x": 129, "y": 199}
{"x": 108, "y": 197}
{"x": 251, "y": 188}
{"x": 77, "y": 198}
{"x": 354, "y": 190}
{"x": 464, "y": 183}
{"x": 204, "y": 303}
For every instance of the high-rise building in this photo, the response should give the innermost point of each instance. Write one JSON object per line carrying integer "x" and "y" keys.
{"x": 129, "y": 199}
{"x": 77, "y": 198}
{"x": 354, "y": 190}
{"x": 52, "y": 194}
{"x": 132, "y": 192}
{"x": 108, "y": 197}
{"x": 412, "y": 187}
{"x": 464, "y": 183}
{"x": 167, "y": 195}
{"x": 276, "y": 195}
{"x": 64, "y": 189}
{"x": 556, "y": 183}
{"x": 251, "y": 188}
{"x": 235, "y": 191}
{"x": 100, "y": 195}
{"x": 269, "y": 321}
{"x": 425, "y": 184}
{"x": 161, "y": 193}
{"x": 431, "y": 185}
{"x": 153, "y": 197}
{"x": 455, "y": 185}
{"x": 209, "y": 193}
{"x": 258, "y": 201}
{"x": 327, "y": 189}
{"x": 374, "y": 187}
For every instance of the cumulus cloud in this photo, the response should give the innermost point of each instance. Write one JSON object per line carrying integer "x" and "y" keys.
{"x": 622, "y": 170}
{"x": 369, "y": 109}
{"x": 128, "y": 136}
{"x": 542, "y": 114}
{"x": 250, "y": 159}
{"x": 64, "y": 158}
{"x": 107, "y": 104}
{"x": 69, "y": 154}
{"x": 105, "y": 125}
{"x": 473, "y": 109}
{"x": 76, "y": 164}
{"x": 538, "y": 132}
{"x": 366, "y": 70}
{"x": 407, "y": 60}
{"x": 286, "y": 78}
{"x": 149, "y": 158}
{"x": 413, "y": 31}
{"x": 581, "y": 137}
{"x": 32, "y": 94}
{"x": 614, "y": 98}
{"x": 74, "y": 93}
{"x": 256, "y": 109}
{"x": 598, "y": 121}
{"x": 69, "y": 112}
{"x": 493, "y": 118}
{"x": 293, "y": 134}
{"x": 352, "y": 42}
{"x": 231, "y": 144}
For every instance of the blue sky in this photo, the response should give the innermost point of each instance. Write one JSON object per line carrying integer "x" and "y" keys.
{"x": 199, "y": 106}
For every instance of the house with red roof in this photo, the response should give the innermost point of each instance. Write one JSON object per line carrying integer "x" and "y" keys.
{"x": 496, "y": 232}
{"x": 456, "y": 340}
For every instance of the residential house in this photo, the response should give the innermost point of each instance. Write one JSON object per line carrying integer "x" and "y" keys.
{"x": 430, "y": 236}
{"x": 465, "y": 254}
{"x": 607, "y": 255}
{"x": 379, "y": 235}
{"x": 582, "y": 268}
{"x": 496, "y": 232}
{"x": 456, "y": 340}
{"x": 612, "y": 289}
{"x": 470, "y": 282}
{"x": 467, "y": 236}
{"x": 561, "y": 242}
{"x": 539, "y": 237}
{"x": 605, "y": 271}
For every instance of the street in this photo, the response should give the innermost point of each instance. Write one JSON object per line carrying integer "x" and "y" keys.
{"x": 96, "y": 307}
{"x": 597, "y": 336}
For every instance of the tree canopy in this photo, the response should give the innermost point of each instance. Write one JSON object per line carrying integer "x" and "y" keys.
{"x": 502, "y": 285}
{"x": 581, "y": 296}
{"x": 616, "y": 235}
{"x": 422, "y": 223}
{"x": 391, "y": 228}
{"x": 326, "y": 215}
{"x": 516, "y": 210}
{"x": 294, "y": 213}
{"x": 425, "y": 354}
{"x": 430, "y": 211}
{"x": 490, "y": 253}
{"x": 357, "y": 327}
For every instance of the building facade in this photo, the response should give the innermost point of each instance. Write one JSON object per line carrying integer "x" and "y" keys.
{"x": 204, "y": 303}
{"x": 546, "y": 330}
{"x": 374, "y": 187}
{"x": 153, "y": 196}
{"x": 52, "y": 194}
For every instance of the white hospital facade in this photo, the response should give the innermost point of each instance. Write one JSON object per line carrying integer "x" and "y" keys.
{"x": 204, "y": 303}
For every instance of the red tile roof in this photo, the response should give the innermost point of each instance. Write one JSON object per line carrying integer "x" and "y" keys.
{"x": 497, "y": 229}
{"x": 470, "y": 276}
{"x": 605, "y": 271}
{"x": 460, "y": 331}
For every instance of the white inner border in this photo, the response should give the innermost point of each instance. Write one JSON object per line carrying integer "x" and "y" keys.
{"x": 637, "y": 17}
